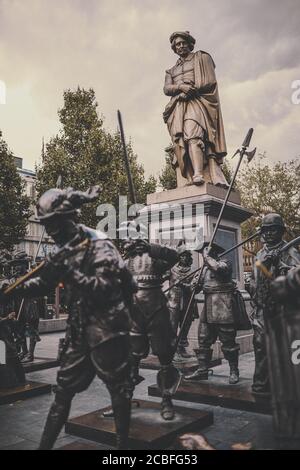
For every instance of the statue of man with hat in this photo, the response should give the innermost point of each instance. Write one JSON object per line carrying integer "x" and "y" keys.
{"x": 193, "y": 115}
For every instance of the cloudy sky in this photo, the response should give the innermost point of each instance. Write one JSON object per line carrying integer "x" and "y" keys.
{"x": 121, "y": 49}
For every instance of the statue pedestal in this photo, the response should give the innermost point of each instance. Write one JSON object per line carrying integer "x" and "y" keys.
{"x": 191, "y": 213}
{"x": 21, "y": 392}
{"x": 147, "y": 428}
{"x": 216, "y": 391}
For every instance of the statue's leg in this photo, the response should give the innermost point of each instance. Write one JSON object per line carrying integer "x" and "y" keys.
{"x": 207, "y": 336}
{"x": 193, "y": 136}
{"x": 227, "y": 335}
{"x": 139, "y": 350}
{"x": 261, "y": 384}
{"x": 112, "y": 363}
{"x": 74, "y": 376}
{"x": 162, "y": 341}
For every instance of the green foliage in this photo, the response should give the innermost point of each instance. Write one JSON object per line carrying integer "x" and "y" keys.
{"x": 85, "y": 154}
{"x": 14, "y": 205}
{"x": 271, "y": 188}
{"x": 167, "y": 178}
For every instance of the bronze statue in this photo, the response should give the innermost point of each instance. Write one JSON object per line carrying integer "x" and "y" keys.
{"x": 14, "y": 374}
{"x": 178, "y": 298}
{"x": 27, "y": 312}
{"x": 277, "y": 261}
{"x": 150, "y": 316}
{"x": 282, "y": 331}
{"x": 217, "y": 318}
{"x": 98, "y": 289}
{"x": 193, "y": 115}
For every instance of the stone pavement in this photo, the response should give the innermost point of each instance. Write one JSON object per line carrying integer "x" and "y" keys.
{"x": 21, "y": 423}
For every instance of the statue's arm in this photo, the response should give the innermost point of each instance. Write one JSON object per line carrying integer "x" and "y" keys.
{"x": 170, "y": 89}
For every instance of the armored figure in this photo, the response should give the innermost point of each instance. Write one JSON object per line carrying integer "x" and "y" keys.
{"x": 217, "y": 318}
{"x": 14, "y": 372}
{"x": 98, "y": 289}
{"x": 282, "y": 326}
{"x": 29, "y": 327}
{"x": 27, "y": 322}
{"x": 193, "y": 115}
{"x": 150, "y": 315}
{"x": 277, "y": 262}
{"x": 178, "y": 298}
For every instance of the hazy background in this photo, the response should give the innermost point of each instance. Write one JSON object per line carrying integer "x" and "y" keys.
{"x": 121, "y": 49}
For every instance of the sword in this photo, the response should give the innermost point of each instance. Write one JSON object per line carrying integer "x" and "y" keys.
{"x": 126, "y": 160}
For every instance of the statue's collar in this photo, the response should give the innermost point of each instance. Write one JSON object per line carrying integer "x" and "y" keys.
{"x": 185, "y": 59}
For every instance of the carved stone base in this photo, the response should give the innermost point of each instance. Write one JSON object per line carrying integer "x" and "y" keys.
{"x": 147, "y": 429}
{"x": 217, "y": 391}
{"x": 22, "y": 392}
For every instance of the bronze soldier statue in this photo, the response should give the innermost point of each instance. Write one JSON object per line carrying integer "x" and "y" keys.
{"x": 282, "y": 326}
{"x": 150, "y": 315}
{"x": 13, "y": 372}
{"x": 178, "y": 298}
{"x": 98, "y": 288}
{"x": 277, "y": 263}
{"x": 217, "y": 318}
{"x": 193, "y": 115}
{"x": 27, "y": 322}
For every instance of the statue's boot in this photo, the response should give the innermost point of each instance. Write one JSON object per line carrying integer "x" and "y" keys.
{"x": 57, "y": 416}
{"x": 121, "y": 405}
{"x": 30, "y": 356}
{"x": 183, "y": 352}
{"x": 204, "y": 358}
{"x": 24, "y": 350}
{"x": 168, "y": 379}
{"x": 134, "y": 370}
{"x": 167, "y": 409}
{"x": 233, "y": 358}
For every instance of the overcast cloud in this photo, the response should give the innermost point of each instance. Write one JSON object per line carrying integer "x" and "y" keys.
{"x": 121, "y": 49}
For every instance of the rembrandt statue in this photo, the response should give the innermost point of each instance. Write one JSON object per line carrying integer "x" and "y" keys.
{"x": 193, "y": 115}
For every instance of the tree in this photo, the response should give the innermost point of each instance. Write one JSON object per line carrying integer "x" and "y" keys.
{"x": 167, "y": 178}
{"x": 85, "y": 154}
{"x": 271, "y": 188}
{"x": 14, "y": 205}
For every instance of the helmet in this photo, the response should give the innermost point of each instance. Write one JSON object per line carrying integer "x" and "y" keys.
{"x": 63, "y": 202}
{"x": 271, "y": 220}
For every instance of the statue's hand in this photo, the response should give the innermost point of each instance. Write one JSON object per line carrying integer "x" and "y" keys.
{"x": 187, "y": 89}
